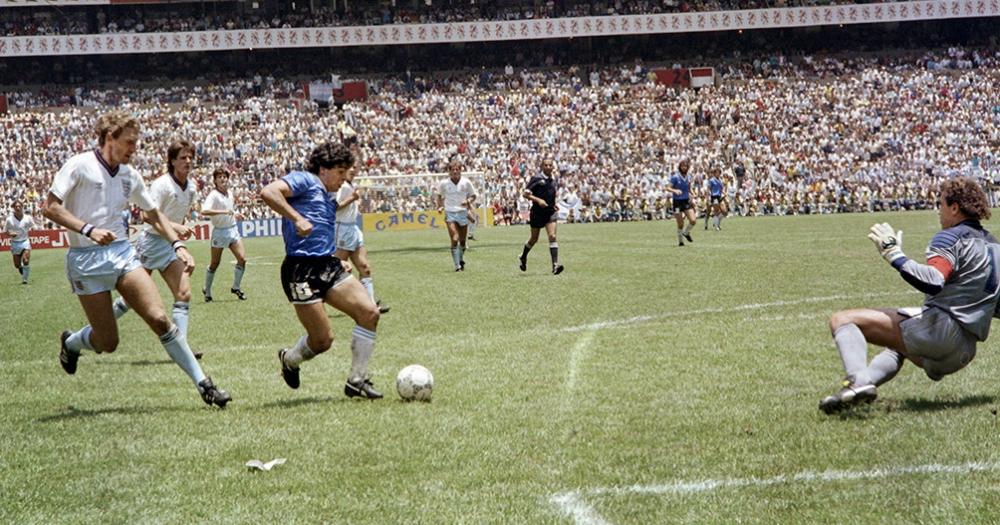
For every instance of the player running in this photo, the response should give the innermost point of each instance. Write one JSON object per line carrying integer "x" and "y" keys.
{"x": 350, "y": 240}
{"x": 541, "y": 191}
{"x": 312, "y": 276}
{"x": 961, "y": 284}
{"x": 17, "y": 225}
{"x": 716, "y": 189}
{"x": 455, "y": 196}
{"x": 87, "y": 197}
{"x": 680, "y": 186}
{"x": 174, "y": 195}
{"x": 219, "y": 207}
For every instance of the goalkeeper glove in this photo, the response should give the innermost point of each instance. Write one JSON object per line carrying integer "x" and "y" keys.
{"x": 888, "y": 241}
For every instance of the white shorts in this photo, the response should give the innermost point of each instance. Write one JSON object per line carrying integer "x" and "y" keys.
{"x": 96, "y": 269}
{"x": 460, "y": 218}
{"x": 224, "y": 237}
{"x": 18, "y": 247}
{"x": 939, "y": 340}
{"x": 349, "y": 237}
{"x": 155, "y": 252}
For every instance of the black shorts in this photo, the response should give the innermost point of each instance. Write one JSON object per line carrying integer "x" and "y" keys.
{"x": 682, "y": 205}
{"x": 715, "y": 199}
{"x": 306, "y": 280}
{"x": 539, "y": 218}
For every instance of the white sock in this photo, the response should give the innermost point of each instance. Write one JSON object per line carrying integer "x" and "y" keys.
{"x": 369, "y": 286}
{"x": 362, "y": 348}
{"x": 299, "y": 353}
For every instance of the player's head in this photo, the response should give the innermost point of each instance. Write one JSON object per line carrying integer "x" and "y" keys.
{"x": 455, "y": 167}
{"x": 180, "y": 157}
{"x": 548, "y": 165}
{"x": 17, "y": 208}
{"x": 330, "y": 162}
{"x": 684, "y": 166}
{"x": 962, "y": 198}
{"x": 117, "y": 135}
{"x": 220, "y": 178}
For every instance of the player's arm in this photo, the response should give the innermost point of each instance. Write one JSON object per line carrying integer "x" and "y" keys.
{"x": 57, "y": 213}
{"x": 275, "y": 195}
{"x": 208, "y": 209}
{"x": 531, "y": 197}
{"x": 353, "y": 196}
{"x": 927, "y": 278}
{"x": 440, "y": 202}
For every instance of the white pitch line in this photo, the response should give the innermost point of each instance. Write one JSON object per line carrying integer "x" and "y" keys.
{"x": 576, "y": 355}
{"x": 572, "y": 503}
{"x": 724, "y": 309}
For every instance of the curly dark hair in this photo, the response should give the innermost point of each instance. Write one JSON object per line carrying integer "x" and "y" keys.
{"x": 174, "y": 151}
{"x": 329, "y": 155}
{"x": 969, "y": 196}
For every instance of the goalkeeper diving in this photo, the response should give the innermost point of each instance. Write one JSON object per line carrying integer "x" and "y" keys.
{"x": 960, "y": 283}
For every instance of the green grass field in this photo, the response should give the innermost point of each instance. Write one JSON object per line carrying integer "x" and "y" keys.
{"x": 646, "y": 384}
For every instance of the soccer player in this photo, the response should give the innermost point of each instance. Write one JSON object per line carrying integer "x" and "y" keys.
{"x": 219, "y": 208}
{"x": 312, "y": 276}
{"x": 715, "y": 197}
{"x": 680, "y": 186}
{"x": 962, "y": 287}
{"x": 350, "y": 240}
{"x": 541, "y": 191}
{"x": 87, "y": 197}
{"x": 17, "y": 225}
{"x": 174, "y": 195}
{"x": 455, "y": 196}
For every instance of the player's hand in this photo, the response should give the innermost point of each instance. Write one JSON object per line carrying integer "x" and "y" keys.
{"x": 238, "y": 216}
{"x": 440, "y": 209}
{"x": 183, "y": 232}
{"x": 102, "y": 236}
{"x": 888, "y": 241}
{"x": 346, "y": 265}
{"x": 184, "y": 256}
{"x": 303, "y": 227}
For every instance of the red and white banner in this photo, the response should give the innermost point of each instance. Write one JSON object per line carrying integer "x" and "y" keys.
{"x": 404, "y": 34}
{"x": 47, "y": 239}
{"x": 702, "y": 76}
{"x": 49, "y": 3}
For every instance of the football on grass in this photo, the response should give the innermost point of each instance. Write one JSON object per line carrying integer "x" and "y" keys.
{"x": 415, "y": 383}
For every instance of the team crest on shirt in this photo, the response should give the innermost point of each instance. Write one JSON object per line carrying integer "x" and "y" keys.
{"x": 126, "y": 187}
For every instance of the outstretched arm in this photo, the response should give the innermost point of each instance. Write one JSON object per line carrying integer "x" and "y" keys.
{"x": 927, "y": 278}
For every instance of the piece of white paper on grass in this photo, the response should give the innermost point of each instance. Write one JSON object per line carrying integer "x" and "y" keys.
{"x": 256, "y": 464}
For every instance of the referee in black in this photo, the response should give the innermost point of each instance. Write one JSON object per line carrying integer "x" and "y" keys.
{"x": 541, "y": 191}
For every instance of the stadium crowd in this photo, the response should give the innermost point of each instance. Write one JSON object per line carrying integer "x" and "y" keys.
{"x": 44, "y": 20}
{"x": 808, "y": 135}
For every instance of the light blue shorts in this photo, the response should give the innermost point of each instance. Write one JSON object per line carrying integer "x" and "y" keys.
{"x": 223, "y": 237}
{"x": 155, "y": 252}
{"x": 460, "y": 218}
{"x": 17, "y": 247}
{"x": 96, "y": 269}
{"x": 349, "y": 237}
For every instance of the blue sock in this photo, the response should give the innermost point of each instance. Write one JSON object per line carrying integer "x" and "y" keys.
{"x": 25, "y": 270}
{"x": 457, "y": 256}
{"x": 177, "y": 347}
{"x": 369, "y": 286}
{"x": 80, "y": 340}
{"x": 180, "y": 315}
{"x": 120, "y": 307}
{"x": 238, "y": 277}
{"x": 209, "y": 277}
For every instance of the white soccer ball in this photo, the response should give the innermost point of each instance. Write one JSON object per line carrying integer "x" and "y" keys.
{"x": 415, "y": 383}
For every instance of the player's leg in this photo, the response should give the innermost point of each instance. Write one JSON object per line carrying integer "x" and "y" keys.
{"x": 350, "y": 297}
{"x": 453, "y": 237}
{"x": 692, "y": 218}
{"x": 679, "y": 219}
{"x": 100, "y": 335}
{"x": 25, "y": 265}
{"x": 179, "y": 283}
{"x": 852, "y": 331}
{"x": 18, "y": 266}
{"x": 213, "y": 265}
{"x": 550, "y": 230}
{"x": 317, "y": 340}
{"x": 708, "y": 213}
{"x": 532, "y": 239}
{"x": 360, "y": 259}
{"x": 140, "y": 292}
{"x": 463, "y": 233}
{"x": 239, "y": 251}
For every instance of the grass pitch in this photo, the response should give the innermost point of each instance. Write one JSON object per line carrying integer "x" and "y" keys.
{"x": 626, "y": 390}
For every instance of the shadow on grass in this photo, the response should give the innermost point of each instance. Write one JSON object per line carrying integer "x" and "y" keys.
{"x": 75, "y": 413}
{"x": 292, "y": 403}
{"x": 883, "y": 407}
{"x": 143, "y": 362}
{"x": 444, "y": 247}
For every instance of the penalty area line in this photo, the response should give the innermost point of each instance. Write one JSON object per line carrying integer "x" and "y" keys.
{"x": 573, "y": 504}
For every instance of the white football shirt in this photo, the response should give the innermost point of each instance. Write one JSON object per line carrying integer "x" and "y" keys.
{"x": 172, "y": 200}
{"x": 96, "y": 197}
{"x": 18, "y": 229}
{"x": 220, "y": 202}
{"x": 455, "y": 195}
{"x": 346, "y": 214}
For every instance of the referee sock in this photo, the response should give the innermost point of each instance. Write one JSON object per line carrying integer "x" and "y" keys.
{"x": 178, "y": 349}
{"x": 209, "y": 277}
{"x": 853, "y": 351}
{"x": 80, "y": 340}
{"x": 120, "y": 307}
{"x": 238, "y": 276}
{"x": 25, "y": 270}
{"x": 299, "y": 353}
{"x": 524, "y": 252}
{"x": 884, "y": 367}
{"x": 554, "y": 252}
{"x": 362, "y": 348}
{"x": 369, "y": 287}
{"x": 180, "y": 316}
